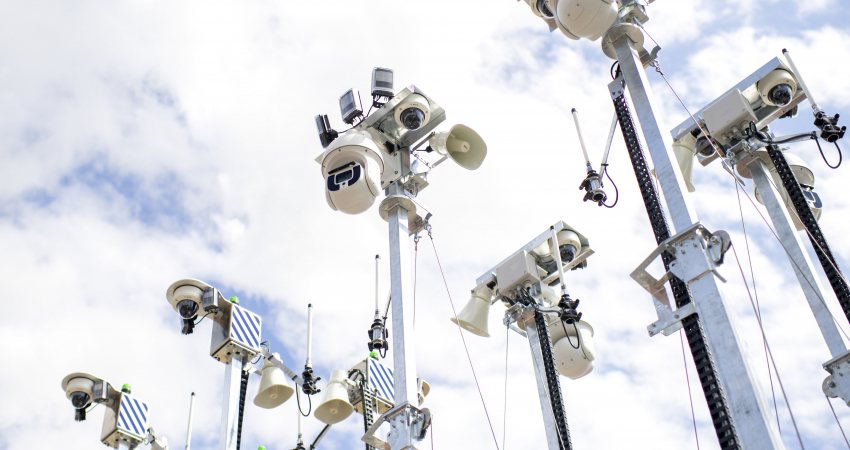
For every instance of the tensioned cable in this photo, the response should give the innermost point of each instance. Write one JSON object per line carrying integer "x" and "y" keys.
{"x": 836, "y": 420}
{"x": 688, "y": 380}
{"x": 730, "y": 170}
{"x": 738, "y": 181}
{"x": 756, "y": 295}
{"x": 463, "y": 339}
{"x": 505, "y": 403}
{"x": 767, "y": 345}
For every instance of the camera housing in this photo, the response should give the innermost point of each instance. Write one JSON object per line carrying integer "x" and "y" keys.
{"x": 82, "y": 390}
{"x": 777, "y": 88}
{"x": 576, "y": 19}
{"x": 353, "y": 167}
{"x": 189, "y": 297}
{"x": 413, "y": 112}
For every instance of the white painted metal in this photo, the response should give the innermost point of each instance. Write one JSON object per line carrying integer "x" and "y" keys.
{"x": 230, "y": 405}
{"x": 189, "y": 426}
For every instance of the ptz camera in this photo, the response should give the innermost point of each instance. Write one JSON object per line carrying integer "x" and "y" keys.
{"x": 82, "y": 389}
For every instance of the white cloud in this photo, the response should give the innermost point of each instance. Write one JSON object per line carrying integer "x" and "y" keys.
{"x": 146, "y": 142}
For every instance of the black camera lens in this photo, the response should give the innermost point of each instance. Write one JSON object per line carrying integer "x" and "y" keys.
{"x": 187, "y": 308}
{"x": 568, "y": 253}
{"x": 544, "y": 10}
{"x": 412, "y": 118}
{"x": 780, "y": 95}
{"x": 80, "y": 399}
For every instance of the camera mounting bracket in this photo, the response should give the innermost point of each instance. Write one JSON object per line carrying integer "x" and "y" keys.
{"x": 697, "y": 252}
{"x": 837, "y": 384}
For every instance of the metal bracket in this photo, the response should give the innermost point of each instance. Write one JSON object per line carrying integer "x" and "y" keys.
{"x": 697, "y": 252}
{"x": 837, "y": 384}
{"x": 418, "y": 421}
{"x": 415, "y": 222}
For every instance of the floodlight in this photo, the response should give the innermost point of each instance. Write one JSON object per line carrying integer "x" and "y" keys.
{"x": 382, "y": 82}
{"x": 350, "y": 107}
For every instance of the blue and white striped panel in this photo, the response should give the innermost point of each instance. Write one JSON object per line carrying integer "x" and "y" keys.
{"x": 381, "y": 379}
{"x": 133, "y": 416}
{"x": 245, "y": 327}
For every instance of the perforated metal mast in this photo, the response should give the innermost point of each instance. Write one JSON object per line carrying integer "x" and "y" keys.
{"x": 691, "y": 255}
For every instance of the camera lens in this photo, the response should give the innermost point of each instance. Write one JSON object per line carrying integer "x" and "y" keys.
{"x": 187, "y": 309}
{"x": 544, "y": 10}
{"x": 412, "y": 118}
{"x": 80, "y": 399}
{"x": 568, "y": 253}
{"x": 780, "y": 95}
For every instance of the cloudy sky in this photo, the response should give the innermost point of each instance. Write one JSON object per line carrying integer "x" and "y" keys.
{"x": 147, "y": 141}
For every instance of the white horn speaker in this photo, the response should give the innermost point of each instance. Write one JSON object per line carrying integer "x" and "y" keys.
{"x": 462, "y": 144}
{"x": 274, "y": 388}
{"x": 335, "y": 407}
{"x": 684, "y": 150}
{"x": 473, "y": 317}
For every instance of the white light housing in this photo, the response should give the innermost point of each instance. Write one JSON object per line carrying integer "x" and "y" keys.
{"x": 574, "y": 352}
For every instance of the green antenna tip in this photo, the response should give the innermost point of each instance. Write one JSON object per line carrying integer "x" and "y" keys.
{"x": 126, "y": 388}
{"x": 373, "y": 354}
{"x": 234, "y": 299}
{"x": 262, "y": 447}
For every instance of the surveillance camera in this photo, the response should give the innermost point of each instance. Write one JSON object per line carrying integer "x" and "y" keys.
{"x": 82, "y": 389}
{"x": 413, "y": 112}
{"x": 769, "y": 93}
{"x": 543, "y": 8}
{"x": 187, "y": 299}
{"x": 352, "y": 167}
{"x": 588, "y": 19}
{"x": 777, "y": 88}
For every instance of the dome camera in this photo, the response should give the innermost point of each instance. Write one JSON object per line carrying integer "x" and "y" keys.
{"x": 543, "y": 9}
{"x": 79, "y": 389}
{"x": 777, "y": 88}
{"x": 413, "y": 112}
{"x": 187, "y": 297}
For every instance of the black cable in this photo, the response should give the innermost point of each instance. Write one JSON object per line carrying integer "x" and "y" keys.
{"x": 243, "y": 389}
{"x": 840, "y": 156}
{"x": 309, "y": 403}
{"x": 616, "y": 190}
{"x": 204, "y": 317}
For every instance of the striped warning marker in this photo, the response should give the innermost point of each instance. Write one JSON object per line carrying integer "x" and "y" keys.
{"x": 245, "y": 327}
{"x": 133, "y": 416}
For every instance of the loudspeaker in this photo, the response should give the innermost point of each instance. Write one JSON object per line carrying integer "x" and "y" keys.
{"x": 462, "y": 144}
{"x": 335, "y": 407}
{"x": 473, "y": 316}
{"x": 274, "y": 389}
{"x": 684, "y": 150}
{"x": 424, "y": 389}
{"x": 574, "y": 353}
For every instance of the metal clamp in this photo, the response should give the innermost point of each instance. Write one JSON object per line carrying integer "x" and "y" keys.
{"x": 688, "y": 266}
{"x": 837, "y": 384}
{"x": 404, "y": 415}
{"x": 415, "y": 222}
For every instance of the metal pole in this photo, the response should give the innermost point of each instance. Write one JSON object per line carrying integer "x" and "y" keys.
{"x": 747, "y": 407}
{"x": 581, "y": 139}
{"x": 230, "y": 405}
{"x": 803, "y": 268}
{"x": 309, "y": 362}
{"x": 549, "y": 421}
{"x": 404, "y": 346}
{"x": 189, "y": 426}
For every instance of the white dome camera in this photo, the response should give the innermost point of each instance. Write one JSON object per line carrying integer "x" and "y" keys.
{"x": 413, "y": 112}
{"x": 186, "y": 297}
{"x": 352, "y": 167}
{"x": 588, "y": 19}
{"x": 79, "y": 389}
{"x": 777, "y": 88}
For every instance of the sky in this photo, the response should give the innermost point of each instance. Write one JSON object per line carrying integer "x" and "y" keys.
{"x": 143, "y": 142}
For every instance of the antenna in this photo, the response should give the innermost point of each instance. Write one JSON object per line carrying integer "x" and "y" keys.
{"x": 309, "y": 384}
{"x": 189, "y": 426}
{"x": 378, "y": 331}
{"x": 592, "y": 183}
